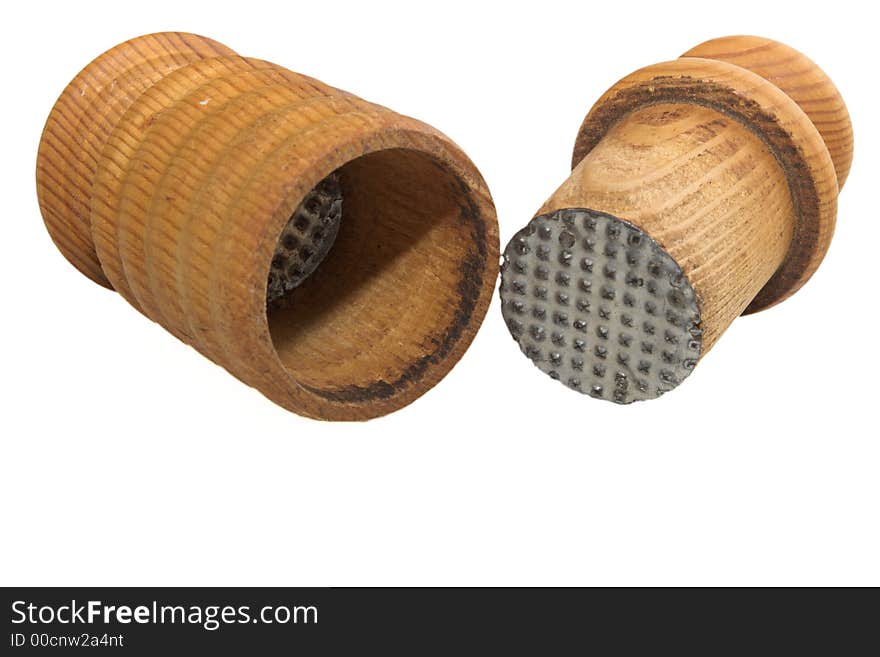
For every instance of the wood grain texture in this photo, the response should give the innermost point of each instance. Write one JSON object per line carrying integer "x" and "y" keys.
{"x": 198, "y": 177}
{"x": 702, "y": 185}
{"x": 801, "y": 80}
{"x": 770, "y": 114}
{"x": 83, "y": 118}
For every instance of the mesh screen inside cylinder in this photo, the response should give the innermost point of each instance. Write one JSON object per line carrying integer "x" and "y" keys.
{"x": 307, "y": 238}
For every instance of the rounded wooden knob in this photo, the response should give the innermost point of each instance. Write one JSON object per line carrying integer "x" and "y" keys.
{"x": 701, "y": 189}
{"x": 333, "y": 254}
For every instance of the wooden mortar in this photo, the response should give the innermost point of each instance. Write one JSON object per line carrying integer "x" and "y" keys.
{"x": 730, "y": 159}
{"x": 168, "y": 169}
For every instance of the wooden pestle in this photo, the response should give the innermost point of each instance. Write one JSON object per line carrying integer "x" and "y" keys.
{"x": 728, "y": 162}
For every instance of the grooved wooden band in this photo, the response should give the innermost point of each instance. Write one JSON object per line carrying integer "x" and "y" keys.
{"x": 82, "y": 119}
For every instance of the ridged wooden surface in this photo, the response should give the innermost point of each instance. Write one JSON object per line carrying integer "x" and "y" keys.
{"x": 194, "y": 183}
{"x": 80, "y": 123}
{"x": 766, "y": 111}
{"x": 801, "y": 80}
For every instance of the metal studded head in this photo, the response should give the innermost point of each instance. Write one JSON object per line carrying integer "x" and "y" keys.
{"x": 597, "y": 304}
{"x": 306, "y": 239}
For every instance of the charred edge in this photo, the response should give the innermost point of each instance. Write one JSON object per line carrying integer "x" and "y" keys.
{"x": 469, "y": 288}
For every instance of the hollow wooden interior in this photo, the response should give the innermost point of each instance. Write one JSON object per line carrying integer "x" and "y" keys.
{"x": 168, "y": 169}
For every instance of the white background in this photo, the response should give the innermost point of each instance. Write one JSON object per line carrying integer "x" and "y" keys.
{"x": 128, "y": 458}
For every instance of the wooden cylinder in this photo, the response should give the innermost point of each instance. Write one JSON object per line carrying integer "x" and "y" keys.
{"x": 703, "y": 186}
{"x": 725, "y": 163}
{"x": 192, "y": 179}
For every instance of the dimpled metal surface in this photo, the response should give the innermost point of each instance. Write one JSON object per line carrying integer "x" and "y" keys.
{"x": 307, "y": 238}
{"x": 597, "y": 304}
